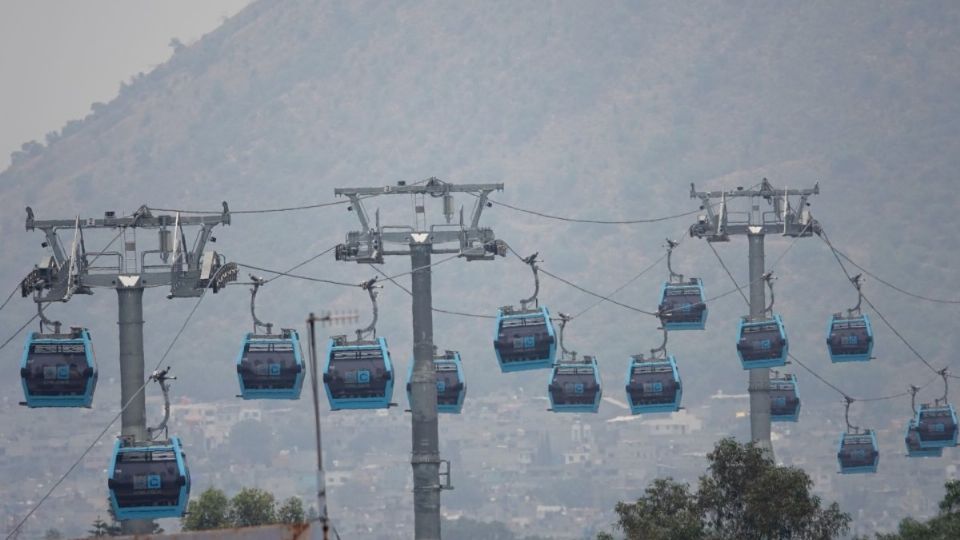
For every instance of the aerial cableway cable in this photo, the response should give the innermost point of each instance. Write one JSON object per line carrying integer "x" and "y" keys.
{"x": 891, "y": 285}
{"x": 900, "y": 336}
{"x": 334, "y": 282}
{"x": 816, "y": 375}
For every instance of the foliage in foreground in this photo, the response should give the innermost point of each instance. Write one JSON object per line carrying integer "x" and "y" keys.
{"x": 250, "y": 507}
{"x": 743, "y": 496}
{"x": 944, "y": 526}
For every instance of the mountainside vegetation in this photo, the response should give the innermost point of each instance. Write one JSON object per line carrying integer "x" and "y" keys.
{"x": 604, "y": 111}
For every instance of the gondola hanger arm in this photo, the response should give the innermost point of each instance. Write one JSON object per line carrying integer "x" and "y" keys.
{"x": 257, "y": 282}
{"x": 532, "y": 262}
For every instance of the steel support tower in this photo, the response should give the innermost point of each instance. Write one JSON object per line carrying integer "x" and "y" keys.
{"x": 369, "y": 245}
{"x": 718, "y": 223}
{"x": 188, "y": 272}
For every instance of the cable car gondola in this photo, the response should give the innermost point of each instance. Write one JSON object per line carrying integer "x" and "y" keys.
{"x": 858, "y": 452}
{"x": 270, "y": 366}
{"x": 451, "y": 386}
{"x": 358, "y": 374}
{"x": 575, "y": 386}
{"x": 149, "y": 481}
{"x": 912, "y": 441}
{"x": 850, "y": 336}
{"x": 653, "y": 385}
{"x": 762, "y": 343}
{"x": 525, "y": 338}
{"x": 936, "y": 425}
{"x": 682, "y": 303}
{"x": 58, "y": 370}
{"x": 784, "y": 398}
{"x": 849, "y": 339}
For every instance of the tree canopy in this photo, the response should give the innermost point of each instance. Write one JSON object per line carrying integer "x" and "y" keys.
{"x": 249, "y": 507}
{"x": 944, "y": 526}
{"x": 743, "y": 496}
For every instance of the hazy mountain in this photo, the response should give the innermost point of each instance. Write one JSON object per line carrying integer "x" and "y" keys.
{"x": 582, "y": 110}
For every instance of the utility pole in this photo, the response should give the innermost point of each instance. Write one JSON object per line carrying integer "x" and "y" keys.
{"x": 368, "y": 245}
{"x": 188, "y": 272}
{"x": 718, "y": 225}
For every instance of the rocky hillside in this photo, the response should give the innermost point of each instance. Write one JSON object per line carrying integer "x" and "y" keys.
{"x": 582, "y": 110}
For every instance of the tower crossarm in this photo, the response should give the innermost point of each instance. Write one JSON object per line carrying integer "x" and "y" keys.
{"x": 367, "y": 245}
{"x": 718, "y": 222}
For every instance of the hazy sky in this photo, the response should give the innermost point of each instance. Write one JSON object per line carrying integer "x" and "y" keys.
{"x": 58, "y": 57}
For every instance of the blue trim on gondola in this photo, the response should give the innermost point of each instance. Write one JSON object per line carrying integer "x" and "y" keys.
{"x": 152, "y": 512}
{"x": 947, "y": 443}
{"x": 792, "y": 379}
{"x": 840, "y": 358}
{"x": 379, "y": 402}
{"x": 778, "y": 361}
{"x": 655, "y": 408}
{"x": 273, "y": 393}
{"x": 698, "y": 325}
{"x": 441, "y": 407}
{"x": 866, "y": 469}
{"x": 577, "y": 408}
{"x": 526, "y": 365}
{"x": 82, "y": 400}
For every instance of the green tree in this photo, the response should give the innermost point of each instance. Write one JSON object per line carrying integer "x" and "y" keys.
{"x": 944, "y": 526}
{"x": 291, "y": 511}
{"x": 667, "y": 511}
{"x": 52, "y": 534}
{"x": 210, "y": 511}
{"x": 743, "y": 496}
{"x": 252, "y": 506}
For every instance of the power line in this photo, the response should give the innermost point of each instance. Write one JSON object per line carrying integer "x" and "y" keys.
{"x": 594, "y": 221}
{"x": 729, "y": 274}
{"x": 254, "y": 211}
{"x": 892, "y": 286}
{"x": 826, "y": 239}
{"x": 21, "y": 329}
{"x": 844, "y": 394}
{"x": 298, "y": 276}
{"x": 620, "y": 288}
{"x": 334, "y": 282}
{"x": 13, "y": 292}
{"x": 107, "y": 427}
{"x": 438, "y": 310}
